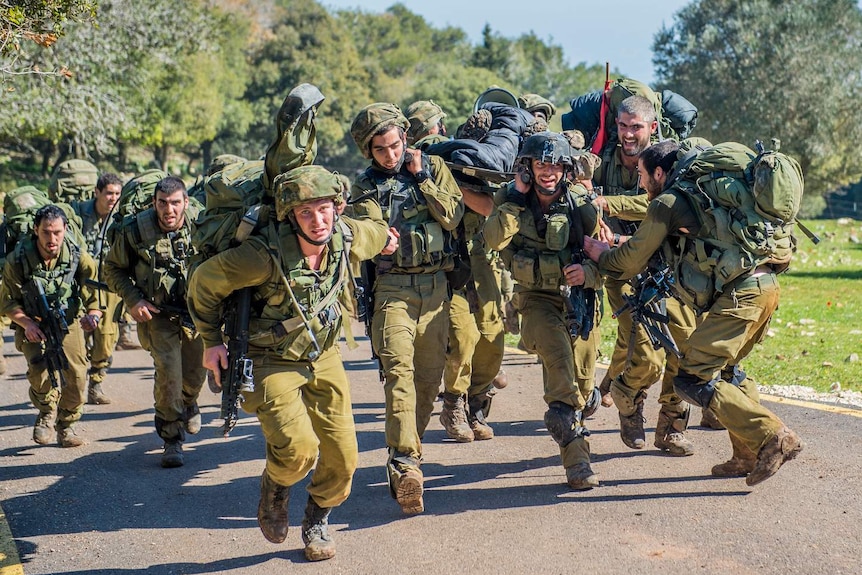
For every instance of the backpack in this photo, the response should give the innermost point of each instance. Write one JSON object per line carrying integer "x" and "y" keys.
{"x": 20, "y": 206}
{"x": 73, "y": 180}
{"x": 746, "y": 203}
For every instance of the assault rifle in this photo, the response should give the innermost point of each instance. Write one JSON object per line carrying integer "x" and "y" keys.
{"x": 173, "y": 312}
{"x": 580, "y": 301}
{"x": 52, "y": 322}
{"x": 238, "y": 377}
{"x": 648, "y": 308}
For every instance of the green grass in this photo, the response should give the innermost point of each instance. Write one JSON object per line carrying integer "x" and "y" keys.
{"x": 818, "y": 325}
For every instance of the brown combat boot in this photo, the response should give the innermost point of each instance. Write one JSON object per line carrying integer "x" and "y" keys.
{"x": 315, "y": 532}
{"x": 192, "y": 418}
{"x": 740, "y": 464}
{"x": 580, "y": 477}
{"x": 272, "y": 509}
{"x": 481, "y": 430}
{"x": 453, "y": 417}
{"x": 670, "y": 434}
{"x": 43, "y": 432}
{"x": 709, "y": 420}
{"x": 172, "y": 454}
{"x": 632, "y": 427}
{"x": 67, "y": 437}
{"x": 781, "y": 448}
{"x": 125, "y": 340}
{"x": 408, "y": 491}
{"x": 95, "y": 395}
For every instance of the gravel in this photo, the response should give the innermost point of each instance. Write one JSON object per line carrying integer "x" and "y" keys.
{"x": 805, "y": 393}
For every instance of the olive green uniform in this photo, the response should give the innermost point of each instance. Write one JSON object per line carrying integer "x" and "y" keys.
{"x": 146, "y": 263}
{"x": 411, "y": 294}
{"x": 633, "y": 371}
{"x": 536, "y": 258}
{"x": 737, "y": 320}
{"x": 303, "y": 404}
{"x": 64, "y": 281}
{"x": 103, "y": 339}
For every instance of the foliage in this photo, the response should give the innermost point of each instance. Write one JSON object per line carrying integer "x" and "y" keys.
{"x": 760, "y": 69}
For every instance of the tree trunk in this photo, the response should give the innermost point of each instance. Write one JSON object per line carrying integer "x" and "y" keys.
{"x": 207, "y": 153}
{"x": 122, "y": 156}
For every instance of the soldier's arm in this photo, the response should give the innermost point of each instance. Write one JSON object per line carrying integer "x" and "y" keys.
{"x": 443, "y": 195}
{"x": 631, "y": 208}
{"x": 88, "y": 270}
{"x": 248, "y": 264}
{"x": 369, "y": 237}
{"x": 502, "y": 225}
{"x": 10, "y": 290}
{"x": 364, "y": 204}
{"x": 118, "y": 269}
{"x": 631, "y": 258}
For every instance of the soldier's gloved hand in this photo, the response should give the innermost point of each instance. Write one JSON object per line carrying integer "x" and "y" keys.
{"x": 215, "y": 360}
{"x": 143, "y": 311}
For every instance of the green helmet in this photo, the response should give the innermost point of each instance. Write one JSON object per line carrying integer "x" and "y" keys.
{"x": 371, "y": 120}
{"x": 423, "y": 115}
{"x": 498, "y": 95}
{"x": 305, "y": 184}
{"x": 222, "y": 161}
{"x": 548, "y": 147}
{"x": 534, "y": 103}
{"x": 73, "y": 180}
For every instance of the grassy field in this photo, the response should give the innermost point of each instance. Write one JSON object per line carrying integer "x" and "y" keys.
{"x": 815, "y": 338}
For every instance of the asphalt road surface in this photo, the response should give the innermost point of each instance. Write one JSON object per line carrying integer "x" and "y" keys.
{"x": 492, "y": 507}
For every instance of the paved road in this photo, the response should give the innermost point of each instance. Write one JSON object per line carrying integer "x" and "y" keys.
{"x": 497, "y": 506}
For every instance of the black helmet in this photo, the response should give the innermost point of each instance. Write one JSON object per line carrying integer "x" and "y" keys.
{"x": 548, "y": 147}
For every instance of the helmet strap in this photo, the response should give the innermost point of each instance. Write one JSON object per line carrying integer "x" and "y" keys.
{"x": 296, "y": 228}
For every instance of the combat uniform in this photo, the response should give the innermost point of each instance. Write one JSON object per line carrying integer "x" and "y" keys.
{"x": 63, "y": 280}
{"x": 145, "y": 263}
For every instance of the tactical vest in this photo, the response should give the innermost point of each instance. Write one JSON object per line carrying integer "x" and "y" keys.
{"x": 275, "y": 324}
{"x": 93, "y": 228}
{"x": 424, "y": 246}
{"x": 162, "y": 267}
{"x": 544, "y": 243}
{"x": 617, "y": 181}
{"x": 61, "y": 288}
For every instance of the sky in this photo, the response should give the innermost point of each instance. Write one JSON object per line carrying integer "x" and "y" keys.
{"x": 596, "y": 31}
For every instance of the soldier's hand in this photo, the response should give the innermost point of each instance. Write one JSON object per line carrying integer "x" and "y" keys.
{"x": 575, "y": 275}
{"x": 91, "y": 321}
{"x": 143, "y": 311}
{"x": 606, "y": 234}
{"x": 594, "y": 248}
{"x": 392, "y": 245}
{"x": 33, "y": 333}
{"x": 413, "y": 160}
{"x": 523, "y": 179}
{"x": 215, "y": 360}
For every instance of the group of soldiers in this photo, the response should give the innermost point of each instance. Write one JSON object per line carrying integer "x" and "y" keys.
{"x": 433, "y": 251}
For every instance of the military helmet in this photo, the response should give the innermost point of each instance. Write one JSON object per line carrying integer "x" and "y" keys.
{"x": 548, "y": 147}
{"x": 222, "y": 161}
{"x": 498, "y": 95}
{"x": 423, "y": 115}
{"x": 534, "y": 103}
{"x": 305, "y": 184}
{"x": 373, "y": 118}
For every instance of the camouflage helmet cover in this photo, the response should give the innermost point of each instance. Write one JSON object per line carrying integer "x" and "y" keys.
{"x": 535, "y": 103}
{"x": 372, "y": 119}
{"x": 305, "y": 184}
{"x": 422, "y": 115}
{"x": 547, "y": 147}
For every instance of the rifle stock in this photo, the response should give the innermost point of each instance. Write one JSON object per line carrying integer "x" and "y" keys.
{"x": 238, "y": 378}
{"x": 52, "y": 322}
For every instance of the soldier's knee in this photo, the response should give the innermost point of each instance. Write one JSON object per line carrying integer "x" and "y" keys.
{"x": 564, "y": 423}
{"x": 693, "y": 389}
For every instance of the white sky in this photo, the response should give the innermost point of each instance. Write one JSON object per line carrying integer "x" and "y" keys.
{"x": 594, "y": 31}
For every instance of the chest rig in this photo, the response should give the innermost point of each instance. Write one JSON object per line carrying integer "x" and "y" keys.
{"x": 162, "y": 267}
{"x": 61, "y": 288}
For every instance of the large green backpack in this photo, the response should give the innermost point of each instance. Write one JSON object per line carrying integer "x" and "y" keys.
{"x": 19, "y": 208}
{"x": 137, "y": 193}
{"x": 746, "y": 203}
{"x": 73, "y": 180}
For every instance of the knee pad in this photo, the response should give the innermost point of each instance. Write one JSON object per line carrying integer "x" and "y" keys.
{"x": 564, "y": 423}
{"x": 694, "y": 390}
{"x": 481, "y": 402}
{"x": 733, "y": 375}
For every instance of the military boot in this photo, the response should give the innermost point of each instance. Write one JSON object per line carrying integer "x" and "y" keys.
{"x": 580, "y": 477}
{"x": 172, "y": 455}
{"x": 409, "y": 486}
{"x": 670, "y": 434}
{"x": 781, "y": 448}
{"x": 95, "y": 395}
{"x": 67, "y": 437}
{"x": 479, "y": 406}
{"x": 708, "y": 419}
{"x": 272, "y": 509}
{"x": 740, "y": 464}
{"x": 453, "y": 417}
{"x": 42, "y": 430}
{"x": 192, "y": 418}
{"x": 125, "y": 340}
{"x": 315, "y": 533}
{"x": 632, "y": 427}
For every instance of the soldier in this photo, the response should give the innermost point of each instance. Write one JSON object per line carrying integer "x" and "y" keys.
{"x": 302, "y": 395}
{"x": 52, "y": 259}
{"x": 537, "y": 228}
{"x": 94, "y": 214}
{"x": 421, "y": 202}
{"x": 538, "y": 106}
{"x": 635, "y": 364}
{"x": 147, "y": 266}
{"x": 709, "y": 373}
{"x": 426, "y": 124}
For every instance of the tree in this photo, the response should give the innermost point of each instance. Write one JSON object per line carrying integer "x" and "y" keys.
{"x": 759, "y": 69}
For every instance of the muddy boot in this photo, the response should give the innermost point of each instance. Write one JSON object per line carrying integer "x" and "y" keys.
{"x": 67, "y": 437}
{"x": 670, "y": 433}
{"x": 740, "y": 464}
{"x": 315, "y": 533}
{"x": 709, "y": 420}
{"x": 272, "y": 509}
{"x": 580, "y": 477}
{"x": 409, "y": 486}
{"x": 95, "y": 395}
{"x": 43, "y": 430}
{"x": 501, "y": 380}
{"x": 632, "y": 427}
{"x": 192, "y": 418}
{"x": 479, "y": 405}
{"x": 125, "y": 341}
{"x": 781, "y": 448}
{"x": 453, "y": 417}
{"x": 172, "y": 455}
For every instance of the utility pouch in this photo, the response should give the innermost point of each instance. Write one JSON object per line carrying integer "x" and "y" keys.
{"x": 549, "y": 269}
{"x": 524, "y": 268}
{"x": 434, "y": 242}
{"x": 411, "y": 247}
{"x": 557, "y": 234}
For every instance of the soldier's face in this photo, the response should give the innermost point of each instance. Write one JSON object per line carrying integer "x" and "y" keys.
{"x": 388, "y": 147}
{"x": 650, "y": 183}
{"x": 634, "y": 133}
{"x": 106, "y": 198}
{"x": 170, "y": 208}
{"x": 547, "y": 176}
{"x": 316, "y": 218}
{"x": 49, "y": 237}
